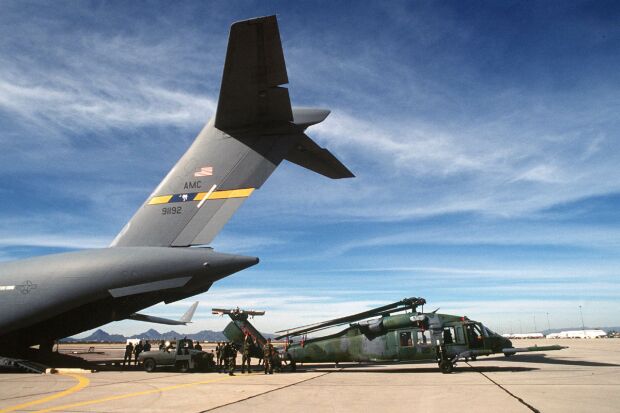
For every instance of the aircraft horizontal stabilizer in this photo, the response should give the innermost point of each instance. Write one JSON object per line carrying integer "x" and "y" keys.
{"x": 184, "y": 320}
{"x": 309, "y": 155}
{"x": 306, "y": 117}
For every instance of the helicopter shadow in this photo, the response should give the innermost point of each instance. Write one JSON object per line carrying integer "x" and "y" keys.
{"x": 544, "y": 359}
{"x": 397, "y": 369}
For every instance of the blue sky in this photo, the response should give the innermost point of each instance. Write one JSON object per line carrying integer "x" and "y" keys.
{"x": 484, "y": 137}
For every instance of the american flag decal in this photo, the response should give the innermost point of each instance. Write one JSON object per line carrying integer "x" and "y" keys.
{"x": 204, "y": 171}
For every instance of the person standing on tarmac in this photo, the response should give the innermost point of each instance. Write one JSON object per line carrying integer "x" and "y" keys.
{"x": 268, "y": 356}
{"x": 128, "y": 353}
{"x": 230, "y": 353}
{"x": 219, "y": 349}
{"x": 245, "y": 355}
{"x": 137, "y": 350}
{"x": 258, "y": 347}
{"x": 147, "y": 346}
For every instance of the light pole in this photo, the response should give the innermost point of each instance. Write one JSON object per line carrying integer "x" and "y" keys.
{"x": 548, "y": 324}
{"x": 534, "y": 315}
{"x": 583, "y": 326}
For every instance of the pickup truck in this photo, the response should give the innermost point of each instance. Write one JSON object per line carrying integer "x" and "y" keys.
{"x": 180, "y": 355}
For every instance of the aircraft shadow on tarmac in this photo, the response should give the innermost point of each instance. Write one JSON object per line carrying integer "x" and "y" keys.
{"x": 542, "y": 358}
{"x": 435, "y": 370}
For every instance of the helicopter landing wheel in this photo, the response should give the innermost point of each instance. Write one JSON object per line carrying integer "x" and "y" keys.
{"x": 473, "y": 358}
{"x": 446, "y": 366}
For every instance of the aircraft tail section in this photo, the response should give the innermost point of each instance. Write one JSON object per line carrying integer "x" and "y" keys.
{"x": 187, "y": 317}
{"x": 253, "y": 130}
{"x": 184, "y": 320}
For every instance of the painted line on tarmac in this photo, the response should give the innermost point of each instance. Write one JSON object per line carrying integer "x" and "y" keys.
{"x": 92, "y": 385}
{"x": 520, "y": 400}
{"x": 82, "y": 382}
{"x": 65, "y": 407}
{"x": 266, "y": 392}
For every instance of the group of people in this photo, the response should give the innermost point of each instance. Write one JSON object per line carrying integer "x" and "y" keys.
{"x": 134, "y": 351}
{"x": 226, "y": 356}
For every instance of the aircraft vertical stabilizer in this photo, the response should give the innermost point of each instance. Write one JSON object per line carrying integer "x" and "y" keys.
{"x": 254, "y": 129}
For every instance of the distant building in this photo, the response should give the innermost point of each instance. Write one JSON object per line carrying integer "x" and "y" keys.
{"x": 578, "y": 334}
{"x": 524, "y": 335}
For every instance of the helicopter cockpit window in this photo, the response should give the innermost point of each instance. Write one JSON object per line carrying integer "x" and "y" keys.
{"x": 405, "y": 339}
{"x": 474, "y": 335}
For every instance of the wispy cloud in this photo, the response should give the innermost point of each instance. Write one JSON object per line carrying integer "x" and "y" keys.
{"x": 245, "y": 243}
{"x": 107, "y": 97}
{"x": 493, "y": 234}
{"x": 55, "y": 241}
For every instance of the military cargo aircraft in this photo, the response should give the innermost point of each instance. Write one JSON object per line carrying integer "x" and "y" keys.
{"x": 400, "y": 333}
{"x": 159, "y": 255}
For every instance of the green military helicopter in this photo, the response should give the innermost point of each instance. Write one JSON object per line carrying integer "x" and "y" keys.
{"x": 399, "y": 332}
{"x": 240, "y": 327}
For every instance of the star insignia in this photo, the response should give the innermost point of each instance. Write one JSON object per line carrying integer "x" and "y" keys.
{"x": 26, "y": 287}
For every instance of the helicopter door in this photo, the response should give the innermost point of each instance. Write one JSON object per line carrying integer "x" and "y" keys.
{"x": 454, "y": 339}
{"x": 406, "y": 349}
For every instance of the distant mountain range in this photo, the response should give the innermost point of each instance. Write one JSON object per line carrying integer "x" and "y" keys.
{"x": 101, "y": 336}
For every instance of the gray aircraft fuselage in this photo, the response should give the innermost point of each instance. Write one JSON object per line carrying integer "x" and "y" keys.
{"x": 55, "y": 296}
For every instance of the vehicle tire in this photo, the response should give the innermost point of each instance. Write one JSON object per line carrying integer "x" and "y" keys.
{"x": 149, "y": 365}
{"x": 183, "y": 366}
{"x": 446, "y": 366}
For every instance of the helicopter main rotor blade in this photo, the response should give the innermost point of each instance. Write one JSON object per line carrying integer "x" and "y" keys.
{"x": 220, "y": 311}
{"x": 406, "y": 303}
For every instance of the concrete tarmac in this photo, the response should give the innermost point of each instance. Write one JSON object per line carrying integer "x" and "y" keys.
{"x": 585, "y": 377}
